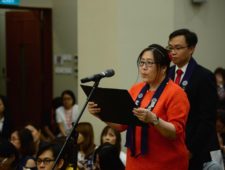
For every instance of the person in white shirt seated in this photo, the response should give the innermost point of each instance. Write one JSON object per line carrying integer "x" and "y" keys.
{"x": 67, "y": 113}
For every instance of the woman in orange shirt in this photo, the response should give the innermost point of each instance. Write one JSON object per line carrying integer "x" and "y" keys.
{"x": 163, "y": 107}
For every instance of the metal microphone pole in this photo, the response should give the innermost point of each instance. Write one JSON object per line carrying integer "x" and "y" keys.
{"x": 73, "y": 133}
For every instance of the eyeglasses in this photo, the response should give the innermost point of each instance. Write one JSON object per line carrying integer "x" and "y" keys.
{"x": 44, "y": 161}
{"x": 148, "y": 64}
{"x": 176, "y": 48}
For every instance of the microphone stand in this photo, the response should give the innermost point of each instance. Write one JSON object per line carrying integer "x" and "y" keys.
{"x": 73, "y": 132}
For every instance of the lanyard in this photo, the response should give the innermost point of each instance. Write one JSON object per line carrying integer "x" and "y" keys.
{"x": 188, "y": 73}
{"x": 190, "y": 68}
{"x": 155, "y": 97}
{"x": 130, "y": 136}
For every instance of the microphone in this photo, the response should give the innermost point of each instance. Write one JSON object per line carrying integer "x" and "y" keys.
{"x": 106, "y": 73}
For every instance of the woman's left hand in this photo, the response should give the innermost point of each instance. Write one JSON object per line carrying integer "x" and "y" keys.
{"x": 166, "y": 128}
{"x": 144, "y": 114}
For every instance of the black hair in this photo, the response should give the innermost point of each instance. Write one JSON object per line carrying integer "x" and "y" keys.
{"x": 190, "y": 37}
{"x": 117, "y": 134}
{"x": 54, "y": 147}
{"x": 70, "y": 93}
{"x": 108, "y": 157}
{"x": 160, "y": 54}
{"x": 27, "y": 142}
{"x": 7, "y": 149}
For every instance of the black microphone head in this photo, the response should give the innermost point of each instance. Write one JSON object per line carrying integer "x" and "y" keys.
{"x": 97, "y": 77}
{"x": 109, "y": 73}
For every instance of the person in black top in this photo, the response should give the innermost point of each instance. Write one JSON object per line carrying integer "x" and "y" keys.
{"x": 107, "y": 158}
{"x": 9, "y": 156}
{"x": 200, "y": 86}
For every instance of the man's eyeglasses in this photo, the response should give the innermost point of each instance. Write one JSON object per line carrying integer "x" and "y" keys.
{"x": 148, "y": 64}
{"x": 44, "y": 161}
{"x": 176, "y": 48}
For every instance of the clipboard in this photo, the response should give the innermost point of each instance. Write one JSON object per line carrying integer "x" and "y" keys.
{"x": 116, "y": 105}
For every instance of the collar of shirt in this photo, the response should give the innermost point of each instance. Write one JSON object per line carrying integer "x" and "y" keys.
{"x": 184, "y": 68}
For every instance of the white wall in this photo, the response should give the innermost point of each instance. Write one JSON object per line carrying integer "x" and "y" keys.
{"x": 65, "y": 42}
{"x": 208, "y": 21}
{"x": 97, "y": 46}
{"x": 140, "y": 23}
{"x": 112, "y": 33}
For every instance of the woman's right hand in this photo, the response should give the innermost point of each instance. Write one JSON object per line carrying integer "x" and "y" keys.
{"x": 93, "y": 108}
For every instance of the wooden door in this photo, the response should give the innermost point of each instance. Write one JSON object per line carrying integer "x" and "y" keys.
{"x": 27, "y": 65}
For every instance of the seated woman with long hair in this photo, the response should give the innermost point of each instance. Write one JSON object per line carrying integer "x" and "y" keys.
{"x": 86, "y": 146}
{"x": 107, "y": 158}
{"x": 113, "y": 137}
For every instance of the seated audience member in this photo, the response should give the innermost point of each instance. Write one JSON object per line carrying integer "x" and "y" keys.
{"x": 8, "y": 155}
{"x": 86, "y": 146}
{"x": 23, "y": 141}
{"x": 5, "y": 119}
{"x": 220, "y": 81}
{"x": 39, "y": 139}
{"x": 68, "y": 113}
{"x": 107, "y": 158}
{"x": 46, "y": 156}
{"x": 113, "y": 137}
{"x": 14, "y": 139}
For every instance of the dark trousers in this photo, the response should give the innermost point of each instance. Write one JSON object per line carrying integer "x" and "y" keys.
{"x": 195, "y": 165}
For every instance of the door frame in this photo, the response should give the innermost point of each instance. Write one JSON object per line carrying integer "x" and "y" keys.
{"x": 46, "y": 53}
